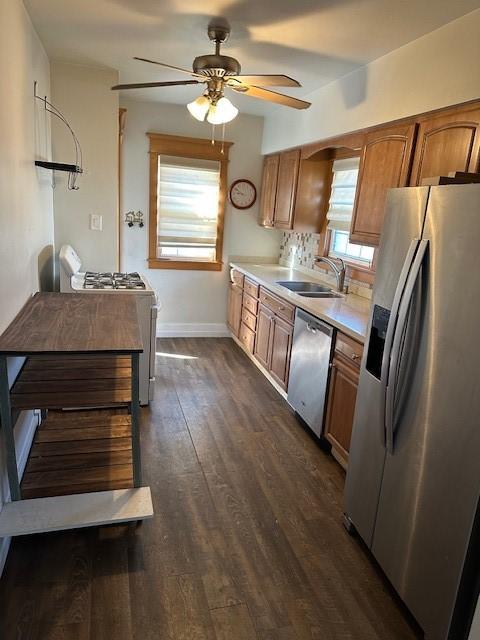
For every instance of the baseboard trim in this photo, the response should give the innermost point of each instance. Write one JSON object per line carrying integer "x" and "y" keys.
{"x": 192, "y": 330}
{"x": 25, "y": 428}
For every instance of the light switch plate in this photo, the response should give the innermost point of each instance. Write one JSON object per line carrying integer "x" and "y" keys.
{"x": 96, "y": 222}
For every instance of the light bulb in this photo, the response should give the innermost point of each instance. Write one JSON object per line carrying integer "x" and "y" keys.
{"x": 199, "y": 107}
{"x": 223, "y": 111}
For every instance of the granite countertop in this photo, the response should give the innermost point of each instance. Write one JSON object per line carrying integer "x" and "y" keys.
{"x": 350, "y": 313}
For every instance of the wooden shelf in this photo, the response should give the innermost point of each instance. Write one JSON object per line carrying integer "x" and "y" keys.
{"x": 78, "y": 452}
{"x": 61, "y": 381}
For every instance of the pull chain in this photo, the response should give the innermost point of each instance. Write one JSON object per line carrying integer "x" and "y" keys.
{"x": 213, "y": 134}
{"x": 223, "y": 138}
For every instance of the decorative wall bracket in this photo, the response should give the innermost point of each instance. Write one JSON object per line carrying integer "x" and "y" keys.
{"x": 134, "y": 217}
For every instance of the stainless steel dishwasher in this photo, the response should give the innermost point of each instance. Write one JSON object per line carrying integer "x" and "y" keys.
{"x": 309, "y": 369}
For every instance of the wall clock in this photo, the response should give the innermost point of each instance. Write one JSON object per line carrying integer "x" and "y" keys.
{"x": 242, "y": 194}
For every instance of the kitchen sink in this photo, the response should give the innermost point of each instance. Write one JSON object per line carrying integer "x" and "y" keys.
{"x": 319, "y": 294}
{"x": 304, "y": 287}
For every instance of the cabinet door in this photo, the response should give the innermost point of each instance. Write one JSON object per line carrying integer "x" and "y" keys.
{"x": 447, "y": 142}
{"x": 281, "y": 346}
{"x": 269, "y": 190}
{"x": 286, "y": 188}
{"x": 263, "y": 337}
{"x": 312, "y": 194}
{"x": 341, "y": 407}
{"x": 234, "y": 315}
{"x": 385, "y": 163}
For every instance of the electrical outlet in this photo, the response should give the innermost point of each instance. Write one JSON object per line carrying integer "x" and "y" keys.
{"x": 96, "y": 222}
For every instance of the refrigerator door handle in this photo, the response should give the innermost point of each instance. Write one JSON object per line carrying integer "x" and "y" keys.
{"x": 392, "y": 323}
{"x": 397, "y": 342}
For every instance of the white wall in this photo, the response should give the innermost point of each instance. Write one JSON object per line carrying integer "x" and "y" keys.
{"x": 83, "y": 95}
{"x": 437, "y": 70}
{"x": 26, "y": 200}
{"x": 192, "y": 301}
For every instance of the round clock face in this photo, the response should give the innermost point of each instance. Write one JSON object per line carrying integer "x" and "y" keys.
{"x": 243, "y": 194}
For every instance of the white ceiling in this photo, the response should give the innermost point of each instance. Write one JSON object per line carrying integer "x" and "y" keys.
{"x": 314, "y": 41}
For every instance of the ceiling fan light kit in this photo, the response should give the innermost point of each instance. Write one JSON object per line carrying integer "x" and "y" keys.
{"x": 219, "y": 72}
{"x": 199, "y": 107}
{"x": 218, "y": 112}
{"x": 222, "y": 112}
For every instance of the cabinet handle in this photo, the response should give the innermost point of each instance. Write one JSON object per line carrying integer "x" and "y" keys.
{"x": 355, "y": 356}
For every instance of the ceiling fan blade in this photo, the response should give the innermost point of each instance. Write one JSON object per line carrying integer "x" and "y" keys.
{"x": 169, "y": 66}
{"x": 272, "y": 96}
{"x": 267, "y": 80}
{"x": 146, "y": 85}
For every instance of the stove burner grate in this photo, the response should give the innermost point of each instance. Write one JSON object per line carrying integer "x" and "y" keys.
{"x": 116, "y": 280}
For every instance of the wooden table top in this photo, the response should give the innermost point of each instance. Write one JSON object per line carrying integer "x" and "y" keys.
{"x": 74, "y": 323}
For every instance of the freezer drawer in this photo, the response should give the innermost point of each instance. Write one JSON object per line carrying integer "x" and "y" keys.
{"x": 309, "y": 369}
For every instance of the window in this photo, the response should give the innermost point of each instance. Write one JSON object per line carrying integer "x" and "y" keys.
{"x": 187, "y": 200}
{"x": 339, "y": 215}
{"x": 187, "y": 208}
{"x": 340, "y": 247}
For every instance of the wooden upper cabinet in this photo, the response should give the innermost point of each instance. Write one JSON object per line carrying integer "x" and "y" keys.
{"x": 384, "y": 163}
{"x": 269, "y": 190}
{"x": 312, "y": 193}
{"x": 447, "y": 142}
{"x": 286, "y": 188}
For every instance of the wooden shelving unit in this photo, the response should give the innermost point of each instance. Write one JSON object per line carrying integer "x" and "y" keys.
{"x": 74, "y": 452}
{"x": 81, "y": 370}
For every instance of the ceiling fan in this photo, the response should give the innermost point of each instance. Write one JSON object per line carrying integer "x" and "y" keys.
{"x": 218, "y": 72}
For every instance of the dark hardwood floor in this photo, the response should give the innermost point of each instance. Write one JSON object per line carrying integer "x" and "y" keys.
{"x": 246, "y": 542}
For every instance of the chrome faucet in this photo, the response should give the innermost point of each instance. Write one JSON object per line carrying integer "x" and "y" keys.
{"x": 338, "y": 271}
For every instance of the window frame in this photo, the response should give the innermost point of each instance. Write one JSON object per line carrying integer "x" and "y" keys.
{"x": 357, "y": 262}
{"x": 198, "y": 149}
{"x": 354, "y": 269}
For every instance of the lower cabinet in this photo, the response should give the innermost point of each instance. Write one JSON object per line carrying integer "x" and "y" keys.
{"x": 264, "y": 332}
{"x": 282, "y": 333}
{"x": 273, "y": 344}
{"x": 247, "y": 337}
{"x": 234, "y": 312}
{"x": 342, "y": 395}
{"x": 263, "y": 323}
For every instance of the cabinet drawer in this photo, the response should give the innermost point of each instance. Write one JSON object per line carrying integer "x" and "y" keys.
{"x": 247, "y": 337}
{"x": 250, "y": 303}
{"x": 277, "y": 305}
{"x": 249, "y": 319}
{"x": 349, "y": 348}
{"x": 251, "y": 287}
{"x": 236, "y": 277}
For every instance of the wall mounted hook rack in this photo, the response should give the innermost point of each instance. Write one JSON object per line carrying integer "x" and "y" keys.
{"x": 72, "y": 169}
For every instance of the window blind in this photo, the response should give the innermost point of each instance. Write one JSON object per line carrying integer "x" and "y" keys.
{"x": 187, "y": 203}
{"x": 342, "y": 196}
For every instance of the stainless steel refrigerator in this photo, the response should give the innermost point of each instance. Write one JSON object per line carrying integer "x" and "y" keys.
{"x": 413, "y": 481}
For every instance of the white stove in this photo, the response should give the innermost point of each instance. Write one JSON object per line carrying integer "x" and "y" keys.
{"x": 72, "y": 280}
